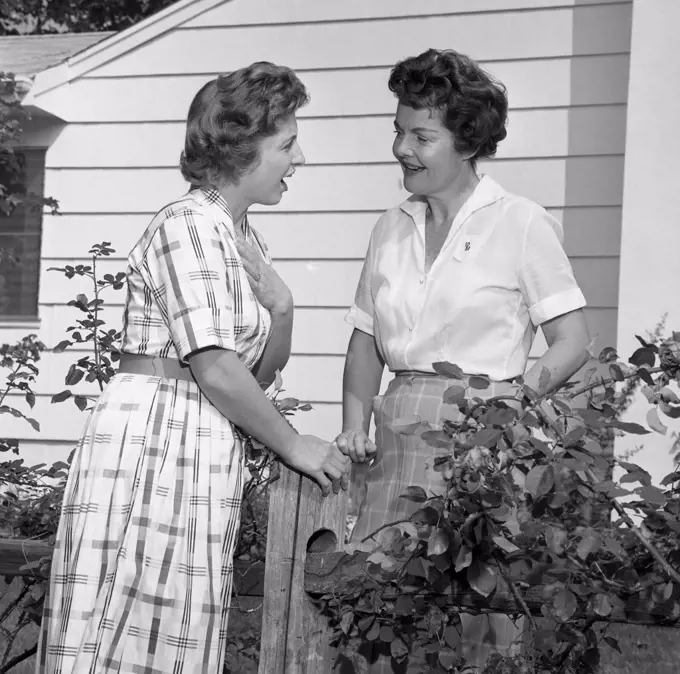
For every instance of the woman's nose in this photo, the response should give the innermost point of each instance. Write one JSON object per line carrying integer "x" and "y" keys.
{"x": 299, "y": 158}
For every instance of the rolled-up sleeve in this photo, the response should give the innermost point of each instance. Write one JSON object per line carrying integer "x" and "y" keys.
{"x": 360, "y": 314}
{"x": 192, "y": 276}
{"x": 546, "y": 277}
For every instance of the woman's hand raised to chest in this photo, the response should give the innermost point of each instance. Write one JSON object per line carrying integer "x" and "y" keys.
{"x": 269, "y": 288}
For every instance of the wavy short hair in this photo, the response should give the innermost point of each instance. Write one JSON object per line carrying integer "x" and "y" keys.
{"x": 473, "y": 105}
{"x": 231, "y": 114}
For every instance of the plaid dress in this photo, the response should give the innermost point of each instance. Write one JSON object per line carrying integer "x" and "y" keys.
{"x": 142, "y": 569}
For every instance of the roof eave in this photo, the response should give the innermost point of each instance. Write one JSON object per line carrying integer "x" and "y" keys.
{"x": 116, "y": 45}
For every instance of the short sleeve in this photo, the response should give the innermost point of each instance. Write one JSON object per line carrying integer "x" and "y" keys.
{"x": 546, "y": 276}
{"x": 360, "y": 314}
{"x": 189, "y": 271}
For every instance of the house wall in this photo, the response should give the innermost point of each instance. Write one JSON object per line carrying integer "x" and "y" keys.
{"x": 650, "y": 250}
{"x": 565, "y": 63}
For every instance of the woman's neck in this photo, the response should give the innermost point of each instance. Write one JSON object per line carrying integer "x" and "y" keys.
{"x": 238, "y": 205}
{"x": 444, "y": 207}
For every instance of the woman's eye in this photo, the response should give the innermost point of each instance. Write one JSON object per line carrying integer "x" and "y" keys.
{"x": 423, "y": 140}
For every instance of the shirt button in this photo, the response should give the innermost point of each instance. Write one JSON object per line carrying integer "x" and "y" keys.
{"x": 422, "y": 280}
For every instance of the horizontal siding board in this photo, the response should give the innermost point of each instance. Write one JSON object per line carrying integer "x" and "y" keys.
{"x": 331, "y": 283}
{"x": 550, "y": 33}
{"x": 577, "y": 181}
{"x": 588, "y": 80}
{"x": 300, "y": 11}
{"x": 531, "y": 133}
{"x": 323, "y": 235}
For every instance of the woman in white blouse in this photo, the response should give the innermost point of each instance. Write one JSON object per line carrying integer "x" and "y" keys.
{"x": 462, "y": 271}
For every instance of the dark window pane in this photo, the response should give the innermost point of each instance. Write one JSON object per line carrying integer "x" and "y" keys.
{"x": 20, "y": 237}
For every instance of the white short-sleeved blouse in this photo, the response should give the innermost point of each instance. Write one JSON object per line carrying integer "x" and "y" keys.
{"x": 501, "y": 272}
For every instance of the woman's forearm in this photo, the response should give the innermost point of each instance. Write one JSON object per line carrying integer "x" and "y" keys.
{"x": 361, "y": 381}
{"x": 277, "y": 351}
{"x": 562, "y": 359}
{"x": 233, "y": 390}
{"x": 567, "y": 337}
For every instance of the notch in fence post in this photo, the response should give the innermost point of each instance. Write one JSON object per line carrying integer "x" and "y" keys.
{"x": 295, "y": 637}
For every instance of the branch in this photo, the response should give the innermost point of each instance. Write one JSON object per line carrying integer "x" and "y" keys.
{"x": 18, "y": 659}
{"x": 604, "y": 382}
{"x": 384, "y": 526}
{"x": 516, "y": 594}
{"x": 670, "y": 571}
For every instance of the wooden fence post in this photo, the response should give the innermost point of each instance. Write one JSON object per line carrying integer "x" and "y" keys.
{"x": 295, "y": 638}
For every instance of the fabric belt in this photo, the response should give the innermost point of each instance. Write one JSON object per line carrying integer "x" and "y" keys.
{"x": 154, "y": 366}
{"x": 415, "y": 373}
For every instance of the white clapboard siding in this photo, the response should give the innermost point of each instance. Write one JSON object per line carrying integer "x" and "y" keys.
{"x": 588, "y": 231}
{"x": 331, "y": 283}
{"x": 542, "y": 33}
{"x": 541, "y": 83}
{"x": 551, "y": 182}
{"x": 346, "y": 140}
{"x": 300, "y": 11}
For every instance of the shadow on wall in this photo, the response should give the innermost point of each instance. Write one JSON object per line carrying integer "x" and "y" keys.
{"x": 596, "y": 147}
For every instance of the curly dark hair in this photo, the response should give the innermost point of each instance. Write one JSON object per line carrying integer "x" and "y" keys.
{"x": 231, "y": 114}
{"x": 473, "y": 105}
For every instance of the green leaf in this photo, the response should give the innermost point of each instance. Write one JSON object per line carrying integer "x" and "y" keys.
{"x": 643, "y": 357}
{"x": 408, "y": 425}
{"x": 613, "y": 643}
{"x": 573, "y": 437}
{"x": 463, "y": 558}
{"x": 448, "y": 370}
{"x": 556, "y": 539}
{"x": 504, "y": 544}
{"x": 631, "y": 427}
{"x": 479, "y": 382}
{"x": 33, "y": 423}
{"x": 608, "y": 355}
{"x": 438, "y": 543}
{"x": 74, "y": 376}
{"x": 670, "y": 410}
{"x": 565, "y": 604}
{"x": 374, "y": 632}
{"x": 601, "y": 605}
{"x": 481, "y": 578}
{"x": 614, "y": 547}
{"x": 616, "y": 372}
{"x": 589, "y": 544}
{"x": 452, "y": 638}
{"x": 415, "y": 568}
{"x": 386, "y": 634}
{"x": 654, "y": 422}
{"x": 30, "y": 399}
{"x": 398, "y": 649}
{"x": 540, "y": 481}
{"x": 447, "y": 658}
{"x": 414, "y": 494}
{"x": 653, "y": 495}
{"x": 376, "y": 557}
{"x": 81, "y": 402}
{"x": 60, "y": 397}
{"x": 454, "y": 395}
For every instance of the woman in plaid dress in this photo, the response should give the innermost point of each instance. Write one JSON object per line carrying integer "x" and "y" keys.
{"x": 142, "y": 568}
{"x": 463, "y": 272}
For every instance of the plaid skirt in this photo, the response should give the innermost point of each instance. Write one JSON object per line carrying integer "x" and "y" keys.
{"x": 142, "y": 569}
{"x": 405, "y": 460}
